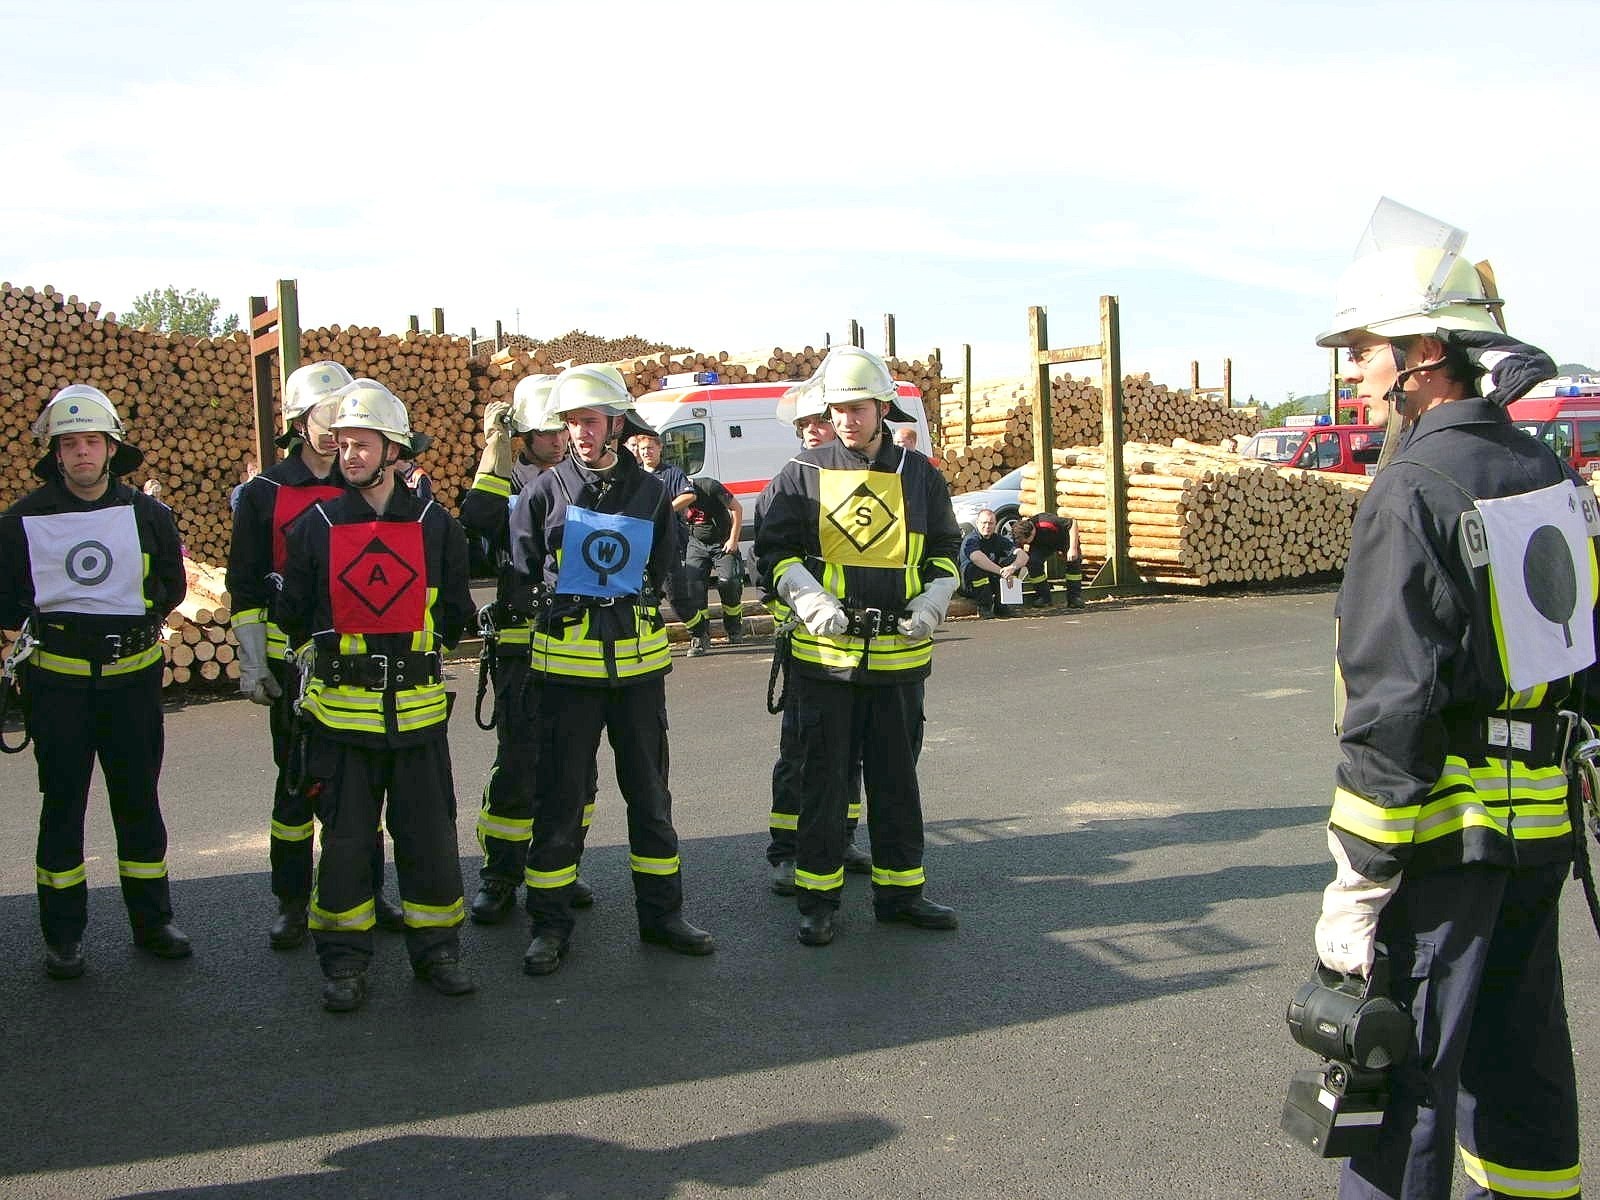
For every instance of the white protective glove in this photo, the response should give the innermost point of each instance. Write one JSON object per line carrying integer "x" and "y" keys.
{"x": 255, "y": 676}
{"x": 926, "y": 610}
{"x": 819, "y": 610}
{"x": 1348, "y": 926}
{"x": 496, "y": 458}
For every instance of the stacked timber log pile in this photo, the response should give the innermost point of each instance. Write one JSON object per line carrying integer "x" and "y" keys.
{"x": 198, "y": 640}
{"x": 1200, "y": 515}
{"x": 433, "y": 374}
{"x": 1002, "y": 419}
{"x": 184, "y": 400}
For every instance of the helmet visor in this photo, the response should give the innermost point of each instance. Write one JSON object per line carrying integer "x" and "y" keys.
{"x": 319, "y": 424}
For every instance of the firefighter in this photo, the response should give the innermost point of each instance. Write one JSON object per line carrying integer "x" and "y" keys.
{"x": 268, "y": 504}
{"x": 803, "y": 406}
{"x": 1467, "y": 610}
{"x": 988, "y": 559}
{"x": 377, "y": 579}
{"x": 1042, "y": 536}
{"x": 858, "y": 538}
{"x": 505, "y": 820}
{"x": 645, "y": 444}
{"x": 714, "y": 520}
{"x": 592, "y": 542}
{"x": 93, "y": 567}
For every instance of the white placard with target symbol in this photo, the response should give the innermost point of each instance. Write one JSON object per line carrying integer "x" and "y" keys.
{"x": 87, "y": 562}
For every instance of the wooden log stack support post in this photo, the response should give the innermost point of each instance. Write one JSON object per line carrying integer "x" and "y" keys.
{"x": 888, "y": 336}
{"x": 1118, "y": 573}
{"x": 272, "y": 329}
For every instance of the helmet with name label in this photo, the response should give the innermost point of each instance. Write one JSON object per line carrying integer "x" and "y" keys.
{"x": 850, "y": 373}
{"x": 599, "y": 386}
{"x": 79, "y": 408}
{"x": 367, "y": 404}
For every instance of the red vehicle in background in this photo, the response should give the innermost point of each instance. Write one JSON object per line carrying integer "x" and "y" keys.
{"x": 1341, "y": 449}
{"x": 1564, "y": 413}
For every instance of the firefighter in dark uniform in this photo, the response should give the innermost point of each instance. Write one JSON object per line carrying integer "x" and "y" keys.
{"x": 1466, "y": 613}
{"x": 92, "y": 568}
{"x": 858, "y": 538}
{"x": 268, "y": 504}
{"x": 377, "y": 579}
{"x": 988, "y": 558}
{"x": 803, "y": 406}
{"x": 505, "y": 820}
{"x": 1042, "y": 536}
{"x": 714, "y": 520}
{"x": 645, "y": 444}
{"x": 591, "y": 543}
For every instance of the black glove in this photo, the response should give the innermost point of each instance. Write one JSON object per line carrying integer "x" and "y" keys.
{"x": 1512, "y": 367}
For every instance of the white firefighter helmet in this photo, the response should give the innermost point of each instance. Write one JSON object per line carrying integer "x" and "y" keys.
{"x": 599, "y": 386}
{"x": 850, "y": 373}
{"x": 79, "y": 408}
{"x": 530, "y": 406}
{"x": 309, "y": 385}
{"x": 802, "y": 401}
{"x": 367, "y": 404}
{"x": 1409, "y": 277}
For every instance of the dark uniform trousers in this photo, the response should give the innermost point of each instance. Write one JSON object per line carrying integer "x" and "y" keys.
{"x": 568, "y": 724}
{"x": 885, "y": 722}
{"x": 983, "y": 587}
{"x": 122, "y": 727}
{"x": 1038, "y": 581}
{"x": 1475, "y": 956}
{"x": 703, "y": 561}
{"x": 293, "y": 811}
{"x": 786, "y": 793}
{"x": 351, "y": 783}
{"x": 505, "y": 825}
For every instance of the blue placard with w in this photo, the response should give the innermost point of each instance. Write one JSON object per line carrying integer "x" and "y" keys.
{"x": 603, "y": 554}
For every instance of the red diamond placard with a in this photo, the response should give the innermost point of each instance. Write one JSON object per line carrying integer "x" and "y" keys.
{"x": 377, "y": 577}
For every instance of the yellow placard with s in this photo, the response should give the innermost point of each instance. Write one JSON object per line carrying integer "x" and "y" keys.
{"x": 862, "y": 519}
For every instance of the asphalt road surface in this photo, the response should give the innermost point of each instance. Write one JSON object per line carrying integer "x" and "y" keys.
{"x": 1125, "y": 805}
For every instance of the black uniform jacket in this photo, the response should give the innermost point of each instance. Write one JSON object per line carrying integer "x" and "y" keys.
{"x": 1418, "y": 655}
{"x": 250, "y": 564}
{"x": 538, "y": 525}
{"x": 789, "y": 529}
{"x": 306, "y": 603}
{"x": 710, "y": 517}
{"x": 165, "y": 583}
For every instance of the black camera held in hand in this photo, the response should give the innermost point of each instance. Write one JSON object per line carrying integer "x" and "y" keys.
{"x": 1363, "y": 1034}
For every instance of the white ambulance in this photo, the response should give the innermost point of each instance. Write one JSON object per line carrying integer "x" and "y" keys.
{"x": 730, "y": 431}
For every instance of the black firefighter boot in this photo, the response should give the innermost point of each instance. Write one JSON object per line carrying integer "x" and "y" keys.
{"x": 288, "y": 928}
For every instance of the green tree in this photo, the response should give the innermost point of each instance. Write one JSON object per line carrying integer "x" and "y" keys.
{"x": 191, "y": 311}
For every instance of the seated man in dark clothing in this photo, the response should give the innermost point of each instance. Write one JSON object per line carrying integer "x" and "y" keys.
{"x": 986, "y": 559}
{"x": 1042, "y": 536}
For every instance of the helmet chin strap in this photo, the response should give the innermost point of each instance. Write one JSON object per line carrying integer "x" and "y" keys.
{"x": 1396, "y": 397}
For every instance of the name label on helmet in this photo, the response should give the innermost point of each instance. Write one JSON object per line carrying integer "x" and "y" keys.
{"x": 1542, "y": 573}
{"x": 87, "y": 562}
{"x": 377, "y": 577}
{"x": 862, "y": 518}
{"x": 603, "y": 554}
{"x": 287, "y": 505}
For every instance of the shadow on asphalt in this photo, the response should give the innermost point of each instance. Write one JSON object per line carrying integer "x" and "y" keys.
{"x": 143, "y": 1059}
{"x": 464, "y": 1168}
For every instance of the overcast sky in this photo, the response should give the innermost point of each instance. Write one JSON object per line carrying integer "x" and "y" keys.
{"x": 732, "y": 176}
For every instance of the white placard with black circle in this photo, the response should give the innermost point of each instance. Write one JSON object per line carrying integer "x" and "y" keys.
{"x": 87, "y": 562}
{"x": 1542, "y": 569}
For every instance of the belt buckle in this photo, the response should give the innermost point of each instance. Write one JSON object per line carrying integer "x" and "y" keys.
{"x": 114, "y": 645}
{"x": 381, "y": 661}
